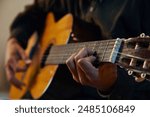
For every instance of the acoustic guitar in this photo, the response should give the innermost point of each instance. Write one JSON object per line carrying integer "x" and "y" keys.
{"x": 132, "y": 54}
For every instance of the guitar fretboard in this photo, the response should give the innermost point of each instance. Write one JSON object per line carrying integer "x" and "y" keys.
{"x": 59, "y": 54}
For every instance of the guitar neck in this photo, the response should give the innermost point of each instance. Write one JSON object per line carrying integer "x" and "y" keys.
{"x": 106, "y": 51}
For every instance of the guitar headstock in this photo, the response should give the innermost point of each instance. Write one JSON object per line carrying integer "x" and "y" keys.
{"x": 135, "y": 57}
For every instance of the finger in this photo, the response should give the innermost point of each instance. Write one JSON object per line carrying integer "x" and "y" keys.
{"x": 23, "y": 56}
{"x": 17, "y": 83}
{"x": 10, "y": 73}
{"x": 81, "y": 54}
{"x": 84, "y": 52}
{"x": 87, "y": 67}
{"x": 21, "y": 68}
{"x": 15, "y": 67}
{"x": 12, "y": 64}
{"x": 72, "y": 67}
{"x": 82, "y": 77}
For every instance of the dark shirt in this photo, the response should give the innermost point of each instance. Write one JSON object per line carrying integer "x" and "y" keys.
{"x": 114, "y": 18}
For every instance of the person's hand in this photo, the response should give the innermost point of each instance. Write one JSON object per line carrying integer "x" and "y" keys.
{"x": 14, "y": 53}
{"x": 81, "y": 66}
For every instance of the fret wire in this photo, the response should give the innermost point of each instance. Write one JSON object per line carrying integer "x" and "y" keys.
{"x": 97, "y": 47}
{"x": 94, "y": 47}
{"x": 102, "y": 45}
{"x": 104, "y": 51}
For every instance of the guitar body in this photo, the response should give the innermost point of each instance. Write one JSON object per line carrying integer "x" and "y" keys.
{"x": 37, "y": 78}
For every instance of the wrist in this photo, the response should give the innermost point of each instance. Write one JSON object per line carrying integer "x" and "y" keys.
{"x": 107, "y": 76}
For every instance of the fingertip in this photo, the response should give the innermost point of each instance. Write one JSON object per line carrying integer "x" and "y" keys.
{"x": 21, "y": 85}
{"x": 75, "y": 78}
{"x": 28, "y": 61}
{"x": 93, "y": 58}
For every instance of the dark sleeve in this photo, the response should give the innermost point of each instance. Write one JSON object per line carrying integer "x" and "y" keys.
{"x": 145, "y": 14}
{"x": 127, "y": 88}
{"x": 32, "y": 19}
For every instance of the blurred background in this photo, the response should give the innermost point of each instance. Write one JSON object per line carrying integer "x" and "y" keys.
{"x": 8, "y": 11}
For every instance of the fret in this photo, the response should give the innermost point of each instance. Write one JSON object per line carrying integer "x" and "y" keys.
{"x": 94, "y": 47}
{"x": 105, "y": 49}
{"x": 107, "y": 56}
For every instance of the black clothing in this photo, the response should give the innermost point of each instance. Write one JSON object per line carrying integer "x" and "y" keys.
{"x": 114, "y": 18}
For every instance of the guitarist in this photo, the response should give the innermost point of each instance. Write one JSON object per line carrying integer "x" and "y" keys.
{"x": 115, "y": 18}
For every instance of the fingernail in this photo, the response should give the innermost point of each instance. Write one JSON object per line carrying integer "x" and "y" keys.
{"x": 28, "y": 61}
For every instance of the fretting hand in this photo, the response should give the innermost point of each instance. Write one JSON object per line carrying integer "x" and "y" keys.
{"x": 81, "y": 66}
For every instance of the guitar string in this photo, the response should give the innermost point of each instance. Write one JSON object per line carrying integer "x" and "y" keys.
{"x": 70, "y": 52}
{"x": 107, "y": 58}
{"x": 66, "y": 52}
{"x": 83, "y": 44}
{"x": 107, "y": 52}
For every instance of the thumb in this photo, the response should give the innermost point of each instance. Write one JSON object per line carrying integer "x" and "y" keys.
{"x": 23, "y": 55}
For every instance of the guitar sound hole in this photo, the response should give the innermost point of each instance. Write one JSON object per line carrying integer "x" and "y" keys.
{"x": 45, "y": 56}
